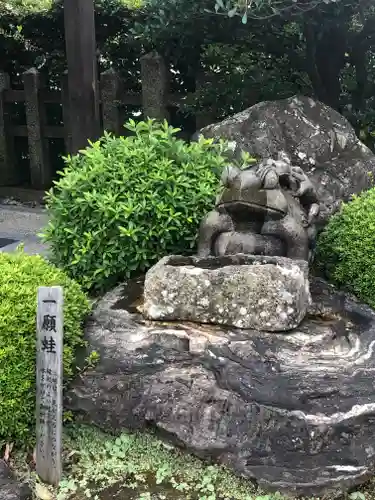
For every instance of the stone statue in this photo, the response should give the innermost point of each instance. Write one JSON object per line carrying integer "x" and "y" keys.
{"x": 266, "y": 209}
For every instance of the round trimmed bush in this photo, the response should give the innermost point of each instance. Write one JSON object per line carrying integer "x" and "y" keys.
{"x": 125, "y": 202}
{"x": 346, "y": 247}
{"x": 20, "y": 277}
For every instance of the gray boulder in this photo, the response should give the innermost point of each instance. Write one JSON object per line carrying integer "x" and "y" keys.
{"x": 295, "y": 411}
{"x": 313, "y": 136}
{"x": 245, "y": 291}
{"x": 10, "y": 489}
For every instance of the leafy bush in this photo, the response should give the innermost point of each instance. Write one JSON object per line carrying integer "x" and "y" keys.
{"x": 20, "y": 276}
{"x": 125, "y": 202}
{"x": 346, "y": 248}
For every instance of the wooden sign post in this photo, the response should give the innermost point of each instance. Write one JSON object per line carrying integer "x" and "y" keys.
{"x": 49, "y": 381}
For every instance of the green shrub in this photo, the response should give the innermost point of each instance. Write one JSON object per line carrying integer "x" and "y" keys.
{"x": 125, "y": 202}
{"x": 20, "y": 276}
{"x": 346, "y": 247}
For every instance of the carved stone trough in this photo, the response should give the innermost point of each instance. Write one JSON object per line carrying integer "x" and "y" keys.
{"x": 245, "y": 291}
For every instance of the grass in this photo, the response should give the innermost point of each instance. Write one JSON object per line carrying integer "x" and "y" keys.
{"x": 136, "y": 466}
{"x": 141, "y": 464}
{"x": 141, "y": 460}
{"x": 141, "y": 467}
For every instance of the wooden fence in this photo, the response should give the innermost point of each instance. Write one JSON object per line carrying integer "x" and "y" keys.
{"x": 154, "y": 100}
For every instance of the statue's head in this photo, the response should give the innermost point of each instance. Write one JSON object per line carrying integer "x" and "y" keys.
{"x": 257, "y": 190}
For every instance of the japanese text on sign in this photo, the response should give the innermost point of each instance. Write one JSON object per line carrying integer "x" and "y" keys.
{"x": 49, "y": 383}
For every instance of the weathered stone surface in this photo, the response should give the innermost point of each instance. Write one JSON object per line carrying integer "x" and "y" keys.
{"x": 245, "y": 291}
{"x": 295, "y": 411}
{"x": 10, "y": 489}
{"x": 314, "y": 136}
{"x": 266, "y": 209}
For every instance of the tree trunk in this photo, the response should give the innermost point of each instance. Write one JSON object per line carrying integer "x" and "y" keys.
{"x": 325, "y": 58}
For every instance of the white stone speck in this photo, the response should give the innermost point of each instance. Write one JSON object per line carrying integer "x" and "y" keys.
{"x": 193, "y": 270}
{"x": 319, "y": 419}
{"x": 155, "y": 311}
{"x": 311, "y": 102}
{"x": 347, "y": 468}
{"x": 212, "y": 354}
{"x": 286, "y": 297}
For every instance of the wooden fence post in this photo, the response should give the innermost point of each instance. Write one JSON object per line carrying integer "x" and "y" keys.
{"x": 66, "y": 114}
{"x": 40, "y": 172}
{"x": 84, "y": 115}
{"x": 8, "y": 171}
{"x": 155, "y": 86}
{"x": 109, "y": 86}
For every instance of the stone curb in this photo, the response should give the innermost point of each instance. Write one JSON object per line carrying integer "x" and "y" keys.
{"x": 21, "y": 208}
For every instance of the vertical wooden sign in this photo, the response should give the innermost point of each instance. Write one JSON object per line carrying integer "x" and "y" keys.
{"x": 49, "y": 381}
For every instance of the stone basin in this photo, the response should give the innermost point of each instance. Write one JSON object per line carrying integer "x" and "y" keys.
{"x": 295, "y": 411}
{"x": 244, "y": 291}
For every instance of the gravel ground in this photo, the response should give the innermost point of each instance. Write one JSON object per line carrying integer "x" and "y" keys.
{"x": 22, "y": 223}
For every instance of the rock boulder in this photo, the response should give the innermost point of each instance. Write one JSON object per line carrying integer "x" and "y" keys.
{"x": 313, "y": 136}
{"x": 245, "y": 291}
{"x": 295, "y": 411}
{"x": 10, "y": 489}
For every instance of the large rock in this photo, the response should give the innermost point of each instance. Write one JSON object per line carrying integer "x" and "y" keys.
{"x": 313, "y": 135}
{"x": 10, "y": 489}
{"x": 295, "y": 411}
{"x": 268, "y": 293}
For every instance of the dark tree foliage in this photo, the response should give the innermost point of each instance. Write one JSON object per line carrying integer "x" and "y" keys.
{"x": 37, "y": 39}
{"x": 320, "y": 48}
{"x": 262, "y": 50}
